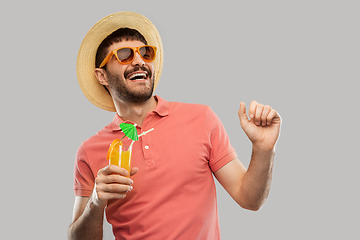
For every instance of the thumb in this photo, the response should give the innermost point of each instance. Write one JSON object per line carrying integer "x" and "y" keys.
{"x": 133, "y": 171}
{"x": 242, "y": 114}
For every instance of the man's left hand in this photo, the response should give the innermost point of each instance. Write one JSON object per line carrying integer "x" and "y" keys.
{"x": 263, "y": 128}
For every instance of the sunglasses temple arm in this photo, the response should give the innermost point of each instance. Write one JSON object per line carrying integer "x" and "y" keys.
{"x": 103, "y": 63}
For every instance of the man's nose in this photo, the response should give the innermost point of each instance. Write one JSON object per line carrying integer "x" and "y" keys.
{"x": 138, "y": 60}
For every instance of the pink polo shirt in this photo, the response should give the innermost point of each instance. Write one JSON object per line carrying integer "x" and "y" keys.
{"x": 173, "y": 194}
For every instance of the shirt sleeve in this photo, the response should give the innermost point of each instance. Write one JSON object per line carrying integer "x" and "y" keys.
{"x": 221, "y": 151}
{"x": 84, "y": 179}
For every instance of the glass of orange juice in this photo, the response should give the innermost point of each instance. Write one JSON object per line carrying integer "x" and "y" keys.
{"x": 125, "y": 152}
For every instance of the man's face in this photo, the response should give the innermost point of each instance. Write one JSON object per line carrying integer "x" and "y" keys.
{"x": 133, "y": 82}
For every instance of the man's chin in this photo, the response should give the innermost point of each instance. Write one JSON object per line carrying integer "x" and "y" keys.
{"x": 138, "y": 97}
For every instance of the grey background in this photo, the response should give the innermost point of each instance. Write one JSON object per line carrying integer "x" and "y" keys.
{"x": 301, "y": 57}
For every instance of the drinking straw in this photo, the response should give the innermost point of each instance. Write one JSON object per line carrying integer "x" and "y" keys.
{"x": 142, "y": 134}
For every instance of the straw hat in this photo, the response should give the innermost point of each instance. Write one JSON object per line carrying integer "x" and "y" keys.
{"x": 85, "y": 66}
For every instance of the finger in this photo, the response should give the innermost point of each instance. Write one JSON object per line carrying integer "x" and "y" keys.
{"x": 258, "y": 113}
{"x": 114, "y": 178}
{"x": 106, "y": 196}
{"x": 242, "y": 114}
{"x": 113, "y": 169}
{"x": 265, "y": 113}
{"x": 133, "y": 171}
{"x": 113, "y": 188}
{"x": 273, "y": 117}
{"x": 252, "y": 109}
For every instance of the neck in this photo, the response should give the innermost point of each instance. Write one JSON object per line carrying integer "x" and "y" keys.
{"x": 135, "y": 112}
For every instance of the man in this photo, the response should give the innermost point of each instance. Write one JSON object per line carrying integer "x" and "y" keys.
{"x": 171, "y": 191}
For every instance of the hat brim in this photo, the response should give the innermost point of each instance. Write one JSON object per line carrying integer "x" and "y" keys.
{"x": 85, "y": 65}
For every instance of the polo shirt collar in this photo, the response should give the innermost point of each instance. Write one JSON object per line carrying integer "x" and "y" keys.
{"x": 162, "y": 109}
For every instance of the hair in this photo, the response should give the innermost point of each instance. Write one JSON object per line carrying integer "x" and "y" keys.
{"x": 119, "y": 35}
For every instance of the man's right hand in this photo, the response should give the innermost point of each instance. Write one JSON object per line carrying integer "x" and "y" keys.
{"x": 111, "y": 183}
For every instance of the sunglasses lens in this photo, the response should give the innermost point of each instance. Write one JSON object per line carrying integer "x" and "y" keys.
{"x": 125, "y": 55}
{"x": 147, "y": 53}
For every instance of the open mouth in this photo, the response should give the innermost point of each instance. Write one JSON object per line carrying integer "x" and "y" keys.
{"x": 138, "y": 76}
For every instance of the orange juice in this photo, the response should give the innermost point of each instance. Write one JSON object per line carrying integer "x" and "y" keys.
{"x": 114, "y": 159}
{"x": 126, "y": 160}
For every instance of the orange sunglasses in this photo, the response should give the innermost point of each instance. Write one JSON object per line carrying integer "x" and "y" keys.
{"x": 126, "y": 55}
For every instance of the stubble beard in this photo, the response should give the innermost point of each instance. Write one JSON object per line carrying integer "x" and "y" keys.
{"x": 119, "y": 88}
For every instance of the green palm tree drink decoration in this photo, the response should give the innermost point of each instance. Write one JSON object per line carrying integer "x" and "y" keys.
{"x": 130, "y": 131}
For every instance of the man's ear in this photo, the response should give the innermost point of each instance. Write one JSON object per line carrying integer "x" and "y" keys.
{"x": 100, "y": 75}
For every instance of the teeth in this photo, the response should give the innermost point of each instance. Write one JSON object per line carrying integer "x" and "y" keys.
{"x": 137, "y": 75}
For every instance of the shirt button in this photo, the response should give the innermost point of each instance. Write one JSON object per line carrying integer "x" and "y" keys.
{"x": 147, "y": 147}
